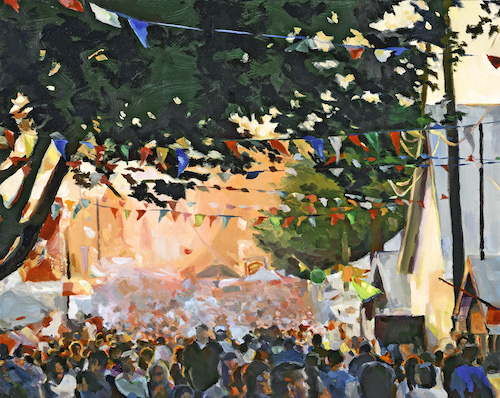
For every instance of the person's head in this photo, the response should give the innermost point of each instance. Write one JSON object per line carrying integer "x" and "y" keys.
{"x": 334, "y": 359}
{"x": 229, "y": 360}
{"x": 87, "y": 382}
{"x": 220, "y": 333}
{"x": 288, "y": 344}
{"x": 202, "y": 333}
{"x": 449, "y": 349}
{"x": 183, "y": 391}
{"x": 56, "y": 369}
{"x": 75, "y": 349}
{"x": 289, "y": 378}
{"x": 313, "y": 359}
{"x": 98, "y": 361}
{"x": 406, "y": 350}
{"x": 160, "y": 340}
{"x": 256, "y": 378}
{"x": 439, "y": 357}
{"x": 317, "y": 340}
{"x": 409, "y": 367}
{"x": 178, "y": 355}
{"x": 376, "y": 380}
{"x": 364, "y": 347}
{"x": 461, "y": 342}
{"x": 470, "y": 353}
{"x": 129, "y": 361}
{"x": 158, "y": 374}
{"x": 491, "y": 364}
{"x": 145, "y": 357}
{"x": 425, "y": 375}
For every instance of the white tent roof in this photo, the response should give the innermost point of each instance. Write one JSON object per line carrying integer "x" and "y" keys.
{"x": 263, "y": 275}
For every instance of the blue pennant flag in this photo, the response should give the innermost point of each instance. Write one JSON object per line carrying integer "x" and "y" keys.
{"x": 225, "y": 221}
{"x": 253, "y": 174}
{"x": 88, "y": 144}
{"x": 61, "y": 147}
{"x": 77, "y": 210}
{"x": 163, "y": 213}
{"x": 55, "y": 209}
{"x": 141, "y": 30}
{"x": 397, "y": 50}
{"x": 318, "y": 145}
{"x": 183, "y": 161}
{"x": 85, "y": 202}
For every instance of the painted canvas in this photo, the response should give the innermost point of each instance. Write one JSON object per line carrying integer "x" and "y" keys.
{"x": 286, "y": 198}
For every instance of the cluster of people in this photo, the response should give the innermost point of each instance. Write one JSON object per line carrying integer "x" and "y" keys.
{"x": 267, "y": 363}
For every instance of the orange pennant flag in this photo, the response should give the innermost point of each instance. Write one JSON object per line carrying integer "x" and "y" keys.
{"x": 233, "y": 146}
{"x": 355, "y": 51}
{"x": 395, "y": 137}
{"x": 335, "y": 217}
{"x": 287, "y": 222}
{"x": 355, "y": 139}
{"x": 212, "y": 219}
{"x": 10, "y": 137}
{"x": 421, "y": 203}
{"x": 399, "y": 202}
{"x": 145, "y": 152}
{"x": 399, "y": 168}
{"x": 175, "y": 215}
{"x": 114, "y": 210}
{"x": 373, "y": 213}
{"x": 140, "y": 213}
{"x": 312, "y": 198}
{"x": 279, "y": 146}
{"x": 444, "y": 166}
{"x": 443, "y": 196}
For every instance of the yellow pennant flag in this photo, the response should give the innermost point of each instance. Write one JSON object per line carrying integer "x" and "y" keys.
{"x": 29, "y": 143}
{"x": 303, "y": 148}
{"x": 161, "y": 153}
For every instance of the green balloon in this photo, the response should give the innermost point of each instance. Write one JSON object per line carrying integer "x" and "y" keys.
{"x": 318, "y": 276}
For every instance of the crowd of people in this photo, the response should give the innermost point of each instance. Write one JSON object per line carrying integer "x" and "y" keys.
{"x": 268, "y": 362}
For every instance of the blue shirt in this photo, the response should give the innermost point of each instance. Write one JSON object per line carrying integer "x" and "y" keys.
{"x": 467, "y": 378}
{"x": 336, "y": 382}
{"x": 288, "y": 356}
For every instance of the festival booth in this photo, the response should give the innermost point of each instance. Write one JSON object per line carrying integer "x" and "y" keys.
{"x": 477, "y": 311}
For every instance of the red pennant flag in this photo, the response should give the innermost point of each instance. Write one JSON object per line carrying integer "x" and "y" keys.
{"x": 140, "y": 213}
{"x": 16, "y": 159}
{"x": 399, "y": 202}
{"x": 73, "y": 164}
{"x": 311, "y": 209}
{"x": 258, "y": 221}
{"x": 72, "y": 5}
{"x": 10, "y": 138}
{"x": 355, "y": 52}
{"x": 395, "y": 137}
{"x": 287, "y": 222}
{"x": 421, "y": 203}
{"x": 110, "y": 167}
{"x": 335, "y": 217}
{"x": 172, "y": 204}
{"x": 399, "y": 168}
{"x": 99, "y": 150}
{"x": 373, "y": 213}
{"x": 175, "y": 215}
{"x": 145, "y": 152}
{"x": 104, "y": 180}
{"x": 274, "y": 211}
{"x": 495, "y": 61}
{"x": 279, "y": 146}
{"x": 114, "y": 210}
{"x": 233, "y": 146}
{"x": 212, "y": 219}
{"x": 445, "y": 166}
{"x": 470, "y": 158}
{"x": 26, "y": 169}
{"x": 355, "y": 139}
{"x": 186, "y": 216}
{"x": 121, "y": 203}
{"x": 13, "y": 4}
{"x": 443, "y": 196}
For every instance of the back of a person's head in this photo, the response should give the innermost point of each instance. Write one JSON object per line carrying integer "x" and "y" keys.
{"x": 492, "y": 363}
{"x": 282, "y": 375}
{"x": 425, "y": 375}
{"x": 317, "y": 340}
{"x": 160, "y": 340}
{"x": 252, "y": 373}
{"x": 376, "y": 380}
{"x": 313, "y": 359}
{"x": 364, "y": 347}
{"x": 288, "y": 344}
{"x": 100, "y": 358}
{"x": 409, "y": 367}
{"x": 334, "y": 357}
{"x": 182, "y": 391}
{"x": 470, "y": 353}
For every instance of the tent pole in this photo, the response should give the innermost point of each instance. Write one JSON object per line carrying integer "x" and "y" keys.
{"x": 481, "y": 193}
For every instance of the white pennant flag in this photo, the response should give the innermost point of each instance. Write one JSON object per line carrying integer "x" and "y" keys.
{"x": 336, "y": 143}
{"x": 105, "y": 16}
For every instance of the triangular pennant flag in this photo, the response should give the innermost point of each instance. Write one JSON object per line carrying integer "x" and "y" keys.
{"x": 312, "y": 221}
{"x": 233, "y": 146}
{"x": 365, "y": 291}
{"x": 127, "y": 213}
{"x": 26, "y": 169}
{"x": 445, "y": 166}
{"x": 259, "y": 221}
{"x": 397, "y": 50}
{"x": 373, "y": 138}
{"x": 72, "y": 5}
{"x": 395, "y": 137}
{"x": 114, "y": 210}
{"x": 303, "y": 148}
{"x": 182, "y": 161}
{"x": 252, "y": 175}
{"x": 161, "y": 153}
{"x": 77, "y": 209}
{"x": 225, "y": 221}
{"x": 318, "y": 145}
{"x": 87, "y": 144}
{"x": 224, "y": 176}
{"x": 55, "y": 209}
{"x": 278, "y": 145}
{"x": 61, "y": 147}
{"x": 373, "y": 213}
{"x": 141, "y": 30}
{"x": 351, "y": 216}
{"x": 421, "y": 203}
{"x": 10, "y": 137}
{"x": 140, "y": 213}
{"x": 69, "y": 204}
{"x": 336, "y": 143}
{"x": 29, "y": 143}
{"x": 355, "y": 139}
{"x": 300, "y": 219}
{"x": 172, "y": 204}
{"x": 211, "y": 219}
{"x": 13, "y": 3}
{"x": 175, "y": 215}
{"x": 105, "y": 16}
{"x": 125, "y": 149}
{"x": 186, "y": 216}
{"x": 312, "y": 198}
{"x": 324, "y": 201}
{"x": 163, "y": 213}
{"x": 443, "y": 196}
{"x": 198, "y": 219}
{"x": 145, "y": 152}
{"x": 276, "y": 221}
{"x": 355, "y": 51}
{"x": 287, "y": 222}
{"x": 495, "y": 61}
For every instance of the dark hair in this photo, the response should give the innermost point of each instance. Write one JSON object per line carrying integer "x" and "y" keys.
{"x": 492, "y": 363}
{"x": 202, "y": 327}
{"x": 91, "y": 379}
{"x": 182, "y": 389}
{"x": 280, "y": 374}
{"x": 376, "y": 380}
{"x": 160, "y": 340}
{"x": 317, "y": 339}
{"x": 427, "y": 375}
{"x": 334, "y": 357}
{"x": 99, "y": 357}
{"x": 470, "y": 353}
{"x": 365, "y": 346}
{"x": 288, "y": 344}
{"x": 252, "y": 372}
{"x": 410, "y": 365}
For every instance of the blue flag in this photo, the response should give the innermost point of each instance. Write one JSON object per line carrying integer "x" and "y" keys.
{"x": 61, "y": 147}
{"x": 397, "y": 50}
{"x": 318, "y": 145}
{"x": 55, "y": 209}
{"x": 88, "y": 144}
{"x": 225, "y": 221}
{"x": 183, "y": 161}
{"x": 141, "y": 30}
{"x": 85, "y": 202}
{"x": 253, "y": 174}
{"x": 163, "y": 213}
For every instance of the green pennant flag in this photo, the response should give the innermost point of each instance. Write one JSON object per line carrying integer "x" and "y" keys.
{"x": 364, "y": 290}
{"x": 225, "y": 221}
{"x": 198, "y": 219}
{"x": 163, "y": 213}
{"x": 373, "y": 138}
{"x": 276, "y": 221}
{"x": 125, "y": 149}
{"x": 77, "y": 209}
{"x": 202, "y": 189}
{"x": 127, "y": 213}
{"x": 351, "y": 217}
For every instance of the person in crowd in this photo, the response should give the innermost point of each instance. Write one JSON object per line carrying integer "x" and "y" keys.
{"x": 176, "y": 369}
{"x": 425, "y": 379}
{"x": 226, "y": 366}
{"x": 130, "y": 382}
{"x": 376, "y": 380}
{"x": 491, "y": 366}
{"x": 145, "y": 357}
{"x": 60, "y": 383}
{"x": 312, "y": 364}
{"x": 88, "y": 385}
{"x": 183, "y": 391}
{"x": 365, "y": 355}
{"x": 410, "y": 361}
{"x": 452, "y": 359}
{"x": 159, "y": 383}
{"x": 201, "y": 359}
{"x": 162, "y": 351}
{"x": 289, "y": 379}
{"x": 338, "y": 382}
{"x": 317, "y": 347}
{"x": 257, "y": 380}
{"x": 469, "y": 379}
{"x": 222, "y": 339}
{"x": 289, "y": 354}
{"x": 76, "y": 361}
